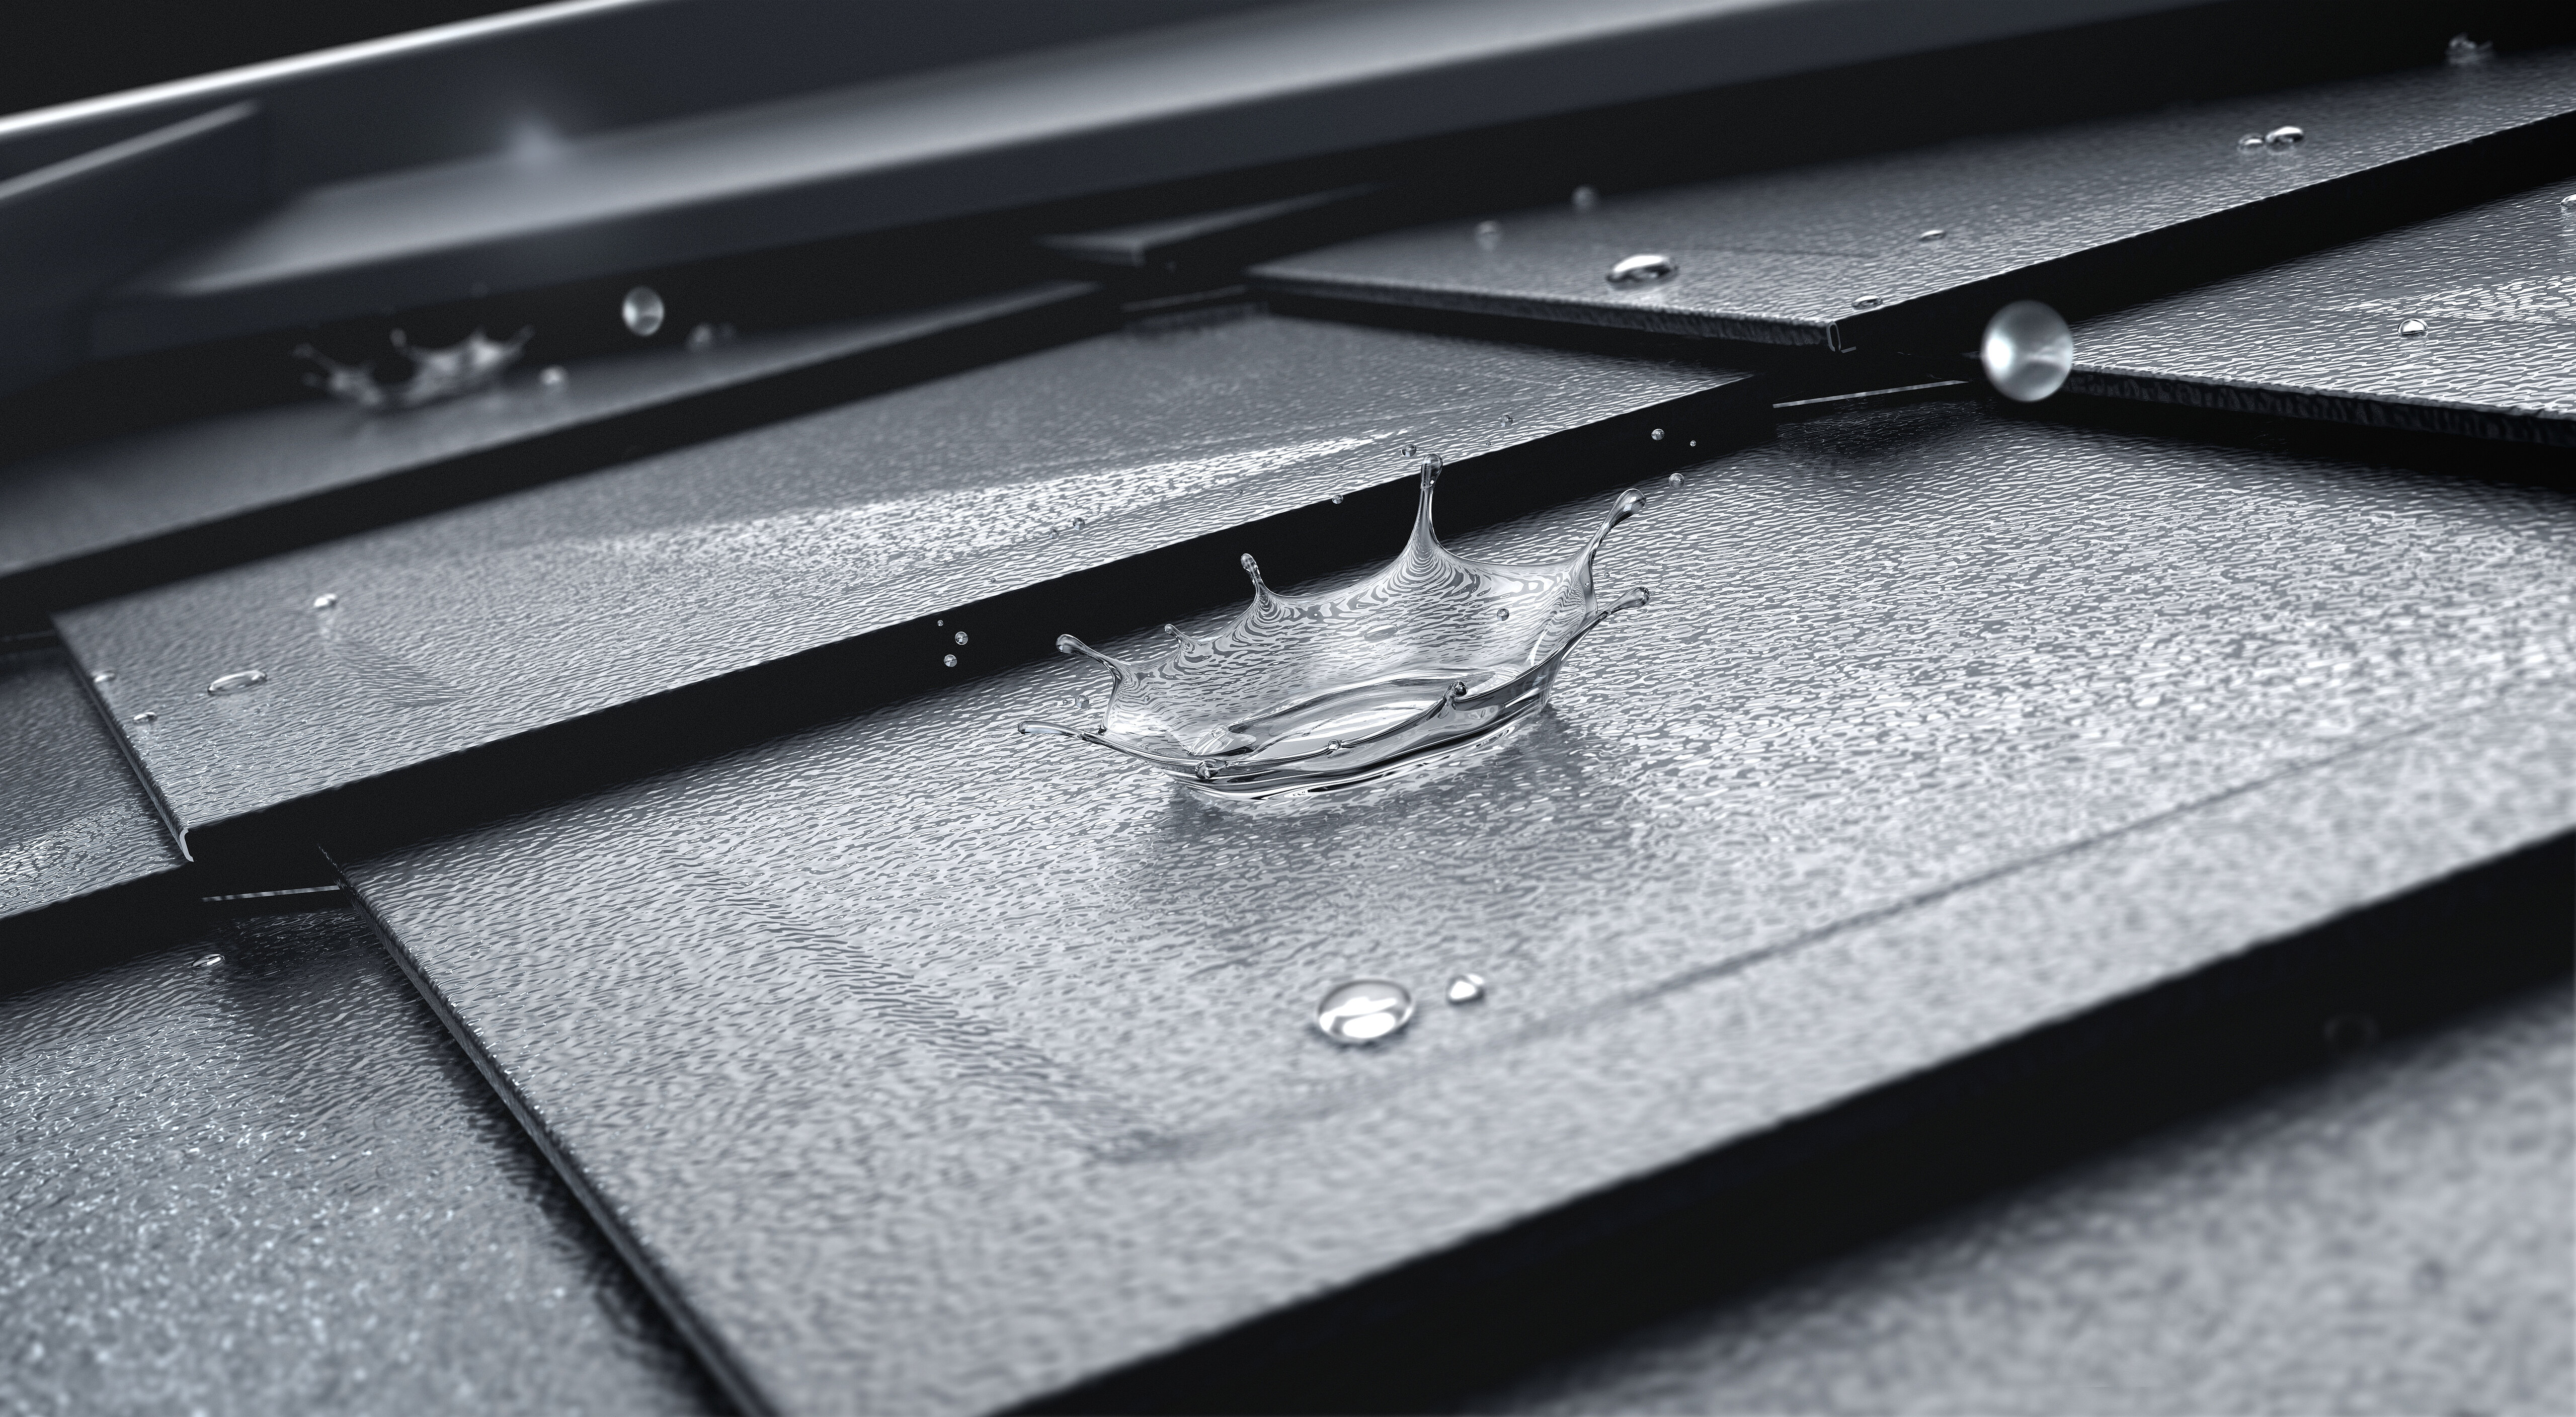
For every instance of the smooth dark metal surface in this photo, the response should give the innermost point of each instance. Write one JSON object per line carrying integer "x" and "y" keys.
{"x": 1835, "y": 254}
{"x": 1217, "y": 239}
{"x": 1128, "y": 106}
{"x": 2325, "y": 336}
{"x": 248, "y": 1172}
{"x": 225, "y": 489}
{"x": 528, "y": 610}
{"x": 934, "y": 1068}
{"x": 2210, "y": 1269}
{"x": 73, "y": 819}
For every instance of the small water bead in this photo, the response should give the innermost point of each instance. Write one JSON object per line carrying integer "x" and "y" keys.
{"x": 1867, "y": 302}
{"x": 1467, "y": 989}
{"x": 103, "y": 676}
{"x": 2464, "y": 50}
{"x": 1676, "y": 478}
{"x": 2412, "y": 328}
{"x": 1657, "y": 435}
{"x": 1489, "y": 234}
{"x": 147, "y": 716}
{"x": 1337, "y": 499}
{"x": 325, "y": 600}
{"x": 1934, "y": 234}
{"x": 1643, "y": 269}
{"x": 642, "y": 310}
{"x": 553, "y": 376}
{"x": 209, "y": 961}
{"x": 1585, "y": 199}
{"x": 2027, "y": 351}
{"x": 961, "y": 637}
{"x": 1364, "y": 1011}
{"x": 948, "y": 659}
{"x": 1503, "y": 613}
{"x": 2251, "y": 142}
{"x": 236, "y": 682}
{"x": 2284, "y": 138}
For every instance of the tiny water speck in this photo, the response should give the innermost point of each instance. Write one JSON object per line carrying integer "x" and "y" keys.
{"x": 706, "y": 337}
{"x": 147, "y": 716}
{"x": 1676, "y": 478}
{"x": 1934, "y": 234}
{"x": 1364, "y": 1011}
{"x": 553, "y": 376}
{"x": 948, "y": 659}
{"x": 2412, "y": 328}
{"x": 1867, "y": 302}
{"x": 2464, "y": 50}
{"x": 961, "y": 637}
{"x": 1489, "y": 234}
{"x": 1646, "y": 268}
{"x": 325, "y": 600}
{"x": 1467, "y": 989}
{"x": 1657, "y": 435}
{"x": 1337, "y": 499}
{"x": 237, "y": 681}
{"x": 1585, "y": 199}
{"x": 2251, "y": 142}
{"x": 102, "y": 676}
{"x": 2027, "y": 351}
{"x": 209, "y": 961}
{"x": 2284, "y": 138}
{"x": 642, "y": 310}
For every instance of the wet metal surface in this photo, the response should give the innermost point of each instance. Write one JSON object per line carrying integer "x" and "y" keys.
{"x": 82, "y": 502}
{"x": 2491, "y": 292}
{"x": 73, "y": 818}
{"x": 532, "y": 609}
{"x": 1836, "y": 252}
{"x": 2210, "y": 1269}
{"x": 248, "y": 1172}
{"x": 935, "y": 1068}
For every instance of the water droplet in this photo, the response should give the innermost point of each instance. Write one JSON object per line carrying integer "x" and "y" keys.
{"x": 1467, "y": 989}
{"x": 1503, "y": 613}
{"x": 147, "y": 716}
{"x": 1657, "y": 435}
{"x": 1337, "y": 499}
{"x": 2567, "y": 203}
{"x": 1866, "y": 302}
{"x": 704, "y": 337}
{"x": 1643, "y": 270}
{"x": 2027, "y": 351}
{"x": 553, "y": 376}
{"x": 961, "y": 637}
{"x": 2249, "y": 143}
{"x": 2464, "y": 50}
{"x": 1676, "y": 478}
{"x": 2412, "y": 328}
{"x": 1080, "y": 522}
{"x": 948, "y": 659}
{"x": 325, "y": 600}
{"x": 1364, "y": 1011}
{"x": 209, "y": 961}
{"x": 2284, "y": 138}
{"x": 234, "y": 683}
{"x": 642, "y": 310}
{"x": 1064, "y": 644}
{"x": 1411, "y": 450}
{"x": 1489, "y": 234}
{"x": 1585, "y": 199}
{"x": 1331, "y": 748}
{"x": 1934, "y": 234}
{"x": 103, "y": 676}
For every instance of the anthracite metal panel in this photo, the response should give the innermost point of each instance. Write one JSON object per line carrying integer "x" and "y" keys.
{"x": 933, "y": 1068}
{"x": 249, "y": 1172}
{"x": 2489, "y": 295}
{"x": 1843, "y": 254}
{"x": 2211, "y": 1269}
{"x": 73, "y": 820}
{"x": 220, "y": 490}
{"x": 528, "y": 610}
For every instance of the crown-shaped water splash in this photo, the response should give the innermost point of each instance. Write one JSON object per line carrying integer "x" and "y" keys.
{"x": 1305, "y": 694}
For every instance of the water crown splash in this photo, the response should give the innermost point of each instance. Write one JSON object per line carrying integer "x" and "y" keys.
{"x": 1307, "y": 694}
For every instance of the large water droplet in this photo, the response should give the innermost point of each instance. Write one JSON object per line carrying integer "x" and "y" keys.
{"x": 642, "y": 310}
{"x": 325, "y": 600}
{"x": 2284, "y": 138}
{"x": 1644, "y": 269}
{"x": 2464, "y": 50}
{"x": 2027, "y": 351}
{"x": 1467, "y": 989}
{"x": 1585, "y": 199}
{"x": 235, "y": 682}
{"x": 1364, "y": 1011}
{"x": 1489, "y": 234}
{"x": 2412, "y": 328}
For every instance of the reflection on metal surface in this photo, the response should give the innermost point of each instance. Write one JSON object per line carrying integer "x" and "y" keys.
{"x": 475, "y": 362}
{"x": 1308, "y": 694}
